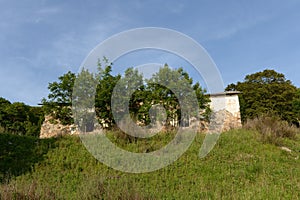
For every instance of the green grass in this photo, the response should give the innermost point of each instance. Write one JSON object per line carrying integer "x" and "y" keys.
{"x": 18, "y": 154}
{"x": 239, "y": 167}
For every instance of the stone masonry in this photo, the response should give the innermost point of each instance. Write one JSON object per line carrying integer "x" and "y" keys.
{"x": 225, "y": 112}
{"x": 225, "y": 116}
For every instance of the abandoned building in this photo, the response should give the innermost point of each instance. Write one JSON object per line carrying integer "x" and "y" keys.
{"x": 225, "y": 116}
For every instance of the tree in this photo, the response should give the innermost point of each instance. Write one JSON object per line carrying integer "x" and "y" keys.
{"x": 170, "y": 86}
{"x": 296, "y": 106}
{"x": 266, "y": 92}
{"x": 18, "y": 118}
{"x": 127, "y": 95}
{"x": 60, "y": 98}
{"x": 59, "y": 101}
{"x": 135, "y": 95}
{"x": 105, "y": 87}
{"x": 83, "y": 100}
{"x": 36, "y": 117}
{"x": 3, "y": 113}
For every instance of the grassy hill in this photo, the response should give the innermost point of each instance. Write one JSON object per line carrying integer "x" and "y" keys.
{"x": 240, "y": 166}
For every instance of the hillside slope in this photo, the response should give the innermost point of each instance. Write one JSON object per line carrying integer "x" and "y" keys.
{"x": 239, "y": 167}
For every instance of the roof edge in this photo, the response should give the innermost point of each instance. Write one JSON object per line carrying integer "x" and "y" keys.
{"x": 227, "y": 93}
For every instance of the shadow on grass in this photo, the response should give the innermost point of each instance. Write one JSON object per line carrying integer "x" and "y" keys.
{"x": 18, "y": 154}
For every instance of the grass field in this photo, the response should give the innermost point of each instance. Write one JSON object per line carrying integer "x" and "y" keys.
{"x": 240, "y": 166}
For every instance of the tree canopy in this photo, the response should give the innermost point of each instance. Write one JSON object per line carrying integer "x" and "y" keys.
{"x": 296, "y": 105}
{"x": 266, "y": 92}
{"x": 134, "y": 92}
{"x": 59, "y": 99}
{"x": 18, "y": 118}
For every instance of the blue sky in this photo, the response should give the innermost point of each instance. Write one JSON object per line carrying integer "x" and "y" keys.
{"x": 41, "y": 40}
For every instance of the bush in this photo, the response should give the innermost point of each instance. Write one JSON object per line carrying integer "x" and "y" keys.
{"x": 272, "y": 129}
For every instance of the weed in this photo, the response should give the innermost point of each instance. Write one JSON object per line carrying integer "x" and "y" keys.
{"x": 239, "y": 167}
{"x": 272, "y": 129}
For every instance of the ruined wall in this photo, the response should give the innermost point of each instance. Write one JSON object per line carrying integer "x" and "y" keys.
{"x": 225, "y": 116}
{"x": 53, "y": 128}
{"x": 226, "y": 112}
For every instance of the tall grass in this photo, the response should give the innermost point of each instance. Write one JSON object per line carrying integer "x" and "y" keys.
{"x": 272, "y": 129}
{"x": 239, "y": 167}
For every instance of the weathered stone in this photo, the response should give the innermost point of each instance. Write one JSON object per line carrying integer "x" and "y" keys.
{"x": 53, "y": 128}
{"x": 225, "y": 116}
{"x": 286, "y": 149}
{"x": 225, "y": 113}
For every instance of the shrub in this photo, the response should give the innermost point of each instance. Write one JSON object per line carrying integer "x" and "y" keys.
{"x": 271, "y": 128}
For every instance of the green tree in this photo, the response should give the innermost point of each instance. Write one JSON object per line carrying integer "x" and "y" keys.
{"x": 296, "y": 106}
{"x": 59, "y": 101}
{"x": 127, "y": 95}
{"x": 83, "y": 100}
{"x": 168, "y": 86}
{"x": 3, "y": 113}
{"x": 36, "y": 117}
{"x": 133, "y": 95}
{"x": 105, "y": 87}
{"x": 18, "y": 118}
{"x": 266, "y": 92}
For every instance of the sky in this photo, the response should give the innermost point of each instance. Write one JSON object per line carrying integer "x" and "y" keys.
{"x": 43, "y": 39}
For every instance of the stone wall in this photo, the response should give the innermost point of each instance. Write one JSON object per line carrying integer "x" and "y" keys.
{"x": 225, "y": 116}
{"x": 226, "y": 112}
{"x": 53, "y": 128}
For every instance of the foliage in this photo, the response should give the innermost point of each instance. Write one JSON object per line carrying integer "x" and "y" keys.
{"x": 132, "y": 92}
{"x": 165, "y": 88}
{"x": 84, "y": 100}
{"x": 138, "y": 95}
{"x": 18, "y": 118}
{"x": 127, "y": 95}
{"x": 19, "y": 153}
{"x": 35, "y": 118}
{"x": 104, "y": 92}
{"x": 169, "y": 86}
{"x": 266, "y": 92}
{"x": 59, "y": 101}
{"x": 4, "y": 105}
{"x": 296, "y": 105}
{"x": 239, "y": 167}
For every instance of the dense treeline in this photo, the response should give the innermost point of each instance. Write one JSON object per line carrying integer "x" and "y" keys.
{"x": 18, "y": 118}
